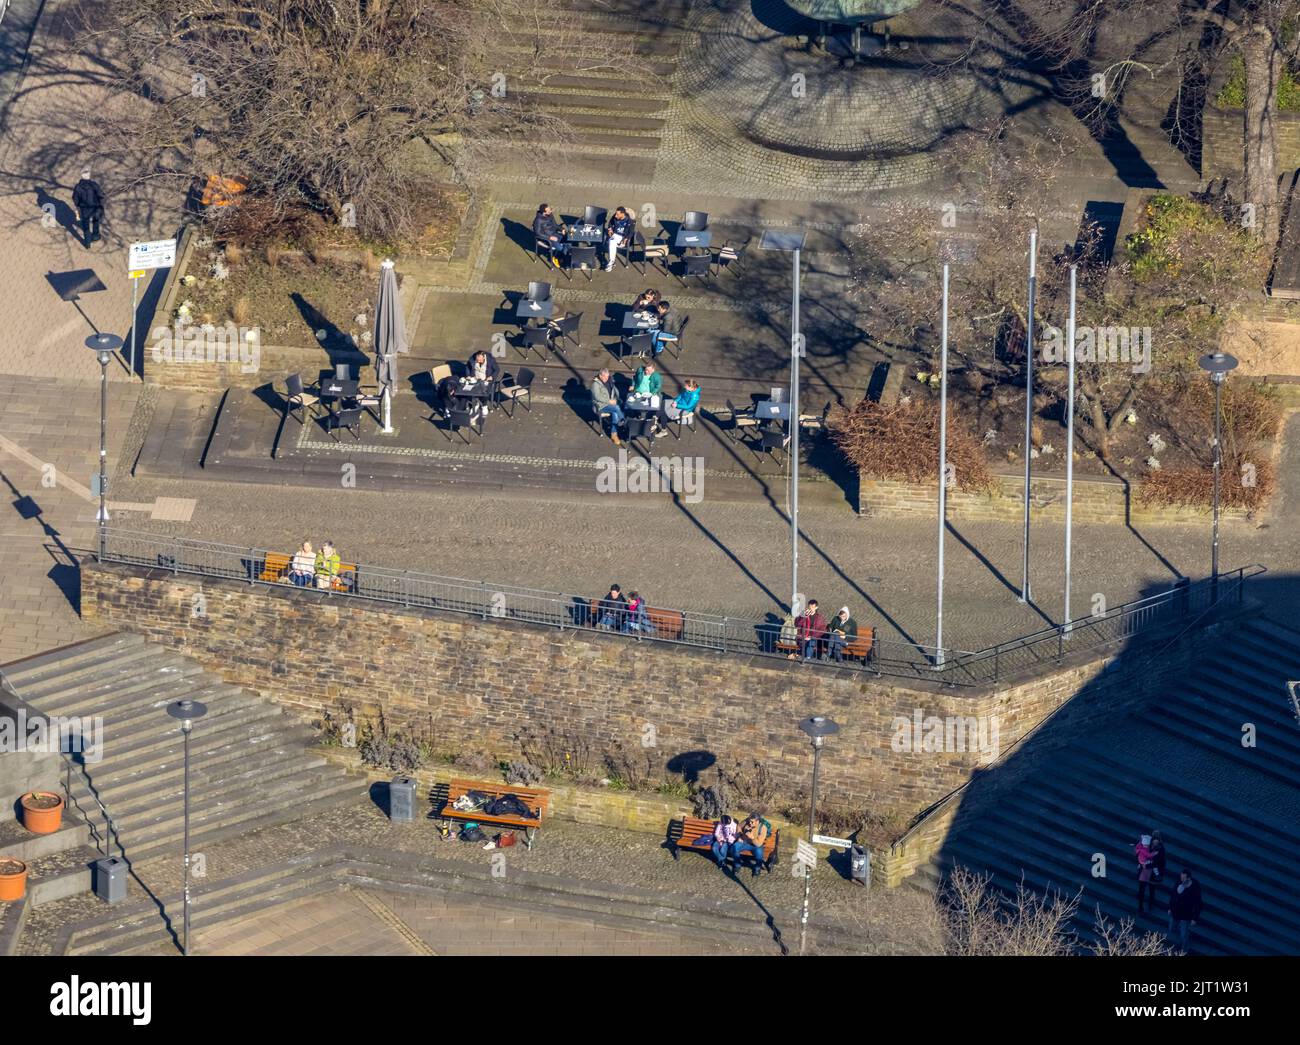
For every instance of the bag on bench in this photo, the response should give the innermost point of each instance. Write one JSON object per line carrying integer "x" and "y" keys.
{"x": 471, "y": 802}
{"x": 509, "y": 805}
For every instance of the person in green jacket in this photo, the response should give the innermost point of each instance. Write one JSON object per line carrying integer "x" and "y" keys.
{"x": 327, "y": 565}
{"x": 647, "y": 381}
{"x": 842, "y": 630}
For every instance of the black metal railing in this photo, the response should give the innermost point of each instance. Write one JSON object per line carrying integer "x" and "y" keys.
{"x": 737, "y": 635}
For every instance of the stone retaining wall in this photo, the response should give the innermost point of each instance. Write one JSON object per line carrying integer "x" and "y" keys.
{"x": 473, "y": 684}
{"x": 1095, "y": 500}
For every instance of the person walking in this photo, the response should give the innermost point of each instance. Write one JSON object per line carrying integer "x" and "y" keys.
{"x": 1145, "y": 893}
{"x": 1184, "y": 907}
{"x": 88, "y": 198}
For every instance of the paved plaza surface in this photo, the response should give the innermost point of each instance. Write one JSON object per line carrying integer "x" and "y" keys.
{"x": 579, "y": 888}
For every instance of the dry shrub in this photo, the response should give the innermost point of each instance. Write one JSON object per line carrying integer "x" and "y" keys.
{"x": 273, "y": 255}
{"x": 370, "y": 262}
{"x": 255, "y": 221}
{"x": 635, "y": 767}
{"x": 901, "y": 442}
{"x": 234, "y": 254}
{"x": 240, "y": 311}
{"x": 1252, "y": 416}
{"x": 750, "y": 785}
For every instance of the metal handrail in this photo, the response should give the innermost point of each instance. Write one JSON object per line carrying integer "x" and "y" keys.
{"x": 726, "y": 634}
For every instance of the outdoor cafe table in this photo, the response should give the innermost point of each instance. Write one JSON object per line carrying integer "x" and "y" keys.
{"x": 584, "y": 234}
{"x": 640, "y": 321}
{"x": 534, "y": 309}
{"x": 766, "y": 410}
{"x": 686, "y": 238}
{"x": 641, "y": 405}
{"x": 465, "y": 387}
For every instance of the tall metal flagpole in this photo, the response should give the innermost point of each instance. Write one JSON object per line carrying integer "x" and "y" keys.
{"x": 1069, "y": 444}
{"x": 794, "y": 440}
{"x": 943, "y": 463}
{"x": 1029, "y": 400}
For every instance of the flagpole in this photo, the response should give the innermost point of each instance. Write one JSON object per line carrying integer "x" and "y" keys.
{"x": 943, "y": 465}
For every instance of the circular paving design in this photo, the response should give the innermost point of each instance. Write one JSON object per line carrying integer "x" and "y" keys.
{"x": 757, "y": 97}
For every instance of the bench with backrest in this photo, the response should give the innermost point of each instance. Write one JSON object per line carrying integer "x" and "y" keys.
{"x": 859, "y": 648}
{"x": 276, "y": 568}
{"x": 669, "y": 624}
{"x": 690, "y": 832}
{"x": 536, "y": 799}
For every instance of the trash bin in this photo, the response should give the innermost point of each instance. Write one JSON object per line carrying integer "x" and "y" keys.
{"x": 110, "y": 879}
{"x": 860, "y": 865}
{"x": 401, "y": 799}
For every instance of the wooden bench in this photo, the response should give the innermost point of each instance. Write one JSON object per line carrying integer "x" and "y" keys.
{"x": 276, "y": 568}
{"x": 859, "y": 648}
{"x": 536, "y": 799}
{"x": 669, "y": 624}
{"x": 689, "y": 832}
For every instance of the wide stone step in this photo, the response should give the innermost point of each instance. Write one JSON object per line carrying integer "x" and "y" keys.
{"x": 151, "y": 711}
{"x": 1192, "y": 727}
{"x": 166, "y": 741}
{"x": 613, "y": 122}
{"x": 113, "y": 699}
{"x": 560, "y": 101}
{"x": 57, "y": 686}
{"x": 37, "y": 666}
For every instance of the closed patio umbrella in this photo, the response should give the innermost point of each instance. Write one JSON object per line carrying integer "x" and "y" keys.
{"x": 390, "y": 338}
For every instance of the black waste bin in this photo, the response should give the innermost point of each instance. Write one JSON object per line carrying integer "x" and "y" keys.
{"x": 401, "y": 799}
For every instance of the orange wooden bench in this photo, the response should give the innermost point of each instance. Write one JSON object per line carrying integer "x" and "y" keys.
{"x": 669, "y": 624}
{"x": 690, "y": 832}
{"x": 859, "y": 647}
{"x": 276, "y": 568}
{"x": 536, "y": 799}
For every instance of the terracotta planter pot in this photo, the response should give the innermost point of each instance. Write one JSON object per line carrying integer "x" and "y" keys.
{"x": 13, "y": 879}
{"x": 42, "y": 812}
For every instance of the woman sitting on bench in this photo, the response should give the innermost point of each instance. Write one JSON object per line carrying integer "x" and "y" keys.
{"x": 302, "y": 570}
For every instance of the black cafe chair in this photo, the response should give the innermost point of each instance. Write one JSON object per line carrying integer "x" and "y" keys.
{"x": 520, "y": 387}
{"x": 349, "y": 419}
{"x": 594, "y": 216}
{"x": 639, "y": 428}
{"x": 583, "y": 256}
{"x": 695, "y": 221}
{"x": 629, "y": 249}
{"x": 298, "y": 398}
{"x": 459, "y": 417}
{"x": 639, "y": 345}
{"x": 567, "y": 327}
{"x": 536, "y": 339}
{"x": 698, "y": 265}
{"x": 539, "y": 291}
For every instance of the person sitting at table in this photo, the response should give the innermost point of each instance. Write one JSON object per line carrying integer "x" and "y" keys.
{"x": 646, "y": 301}
{"x": 604, "y": 398}
{"x": 619, "y": 231}
{"x": 843, "y": 629}
{"x": 670, "y": 325}
{"x": 481, "y": 366}
{"x": 647, "y": 380}
{"x": 611, "y": 611}
{"x": 546, "y": 229}
{"x": 303, "y": 567}
{"x": 327, "y": 565}
{"x": 685, "y": 402}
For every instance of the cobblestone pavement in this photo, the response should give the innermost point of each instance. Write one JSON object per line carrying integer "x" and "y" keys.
{"x": 49, "y": 138}
{"x": 875, "y": 921}
{"x": 374, "y": 922}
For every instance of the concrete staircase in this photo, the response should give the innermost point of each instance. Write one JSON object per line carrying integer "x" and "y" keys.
{"x": 250, "y": 767}
{"x": 1229, "y": 811}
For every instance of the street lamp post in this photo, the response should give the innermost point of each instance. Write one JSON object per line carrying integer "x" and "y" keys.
{"x": 1217, "y": 365}
{"x": 818, "y": 728}
{"x": 792, "y": 241}
{"x": 187, "y": 711}
{"x": 103, "y": 345}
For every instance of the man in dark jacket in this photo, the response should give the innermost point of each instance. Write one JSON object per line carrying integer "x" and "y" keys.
{"x": 612, "y": 610}
{"x": 88, "y": 198}
{"x": 483, "y": 367}
{"x": 1184, "y": 907}
{"x": 548, "y": 230}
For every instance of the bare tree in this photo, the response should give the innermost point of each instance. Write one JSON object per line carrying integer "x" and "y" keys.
{"x": 353, "y": 106}
{"x": 1182, "y": 39}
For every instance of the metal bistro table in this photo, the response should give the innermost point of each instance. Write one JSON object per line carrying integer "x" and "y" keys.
{"x": 642, "y": 406}
{"x": 534, "y": 309}
{"x": 766, "y": 410}
{"x": 585, "y": 234}
{"x": 640, "y": 321}
{"x": 686, "y": 240}
{"x": 470, "y": 388}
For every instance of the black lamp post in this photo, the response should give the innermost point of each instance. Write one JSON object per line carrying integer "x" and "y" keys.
{"x": 187, "y": 711}
{"x": 103, "y": 345}
{"x": 1217, "y": 365}
{"x": 818, "y": 728}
